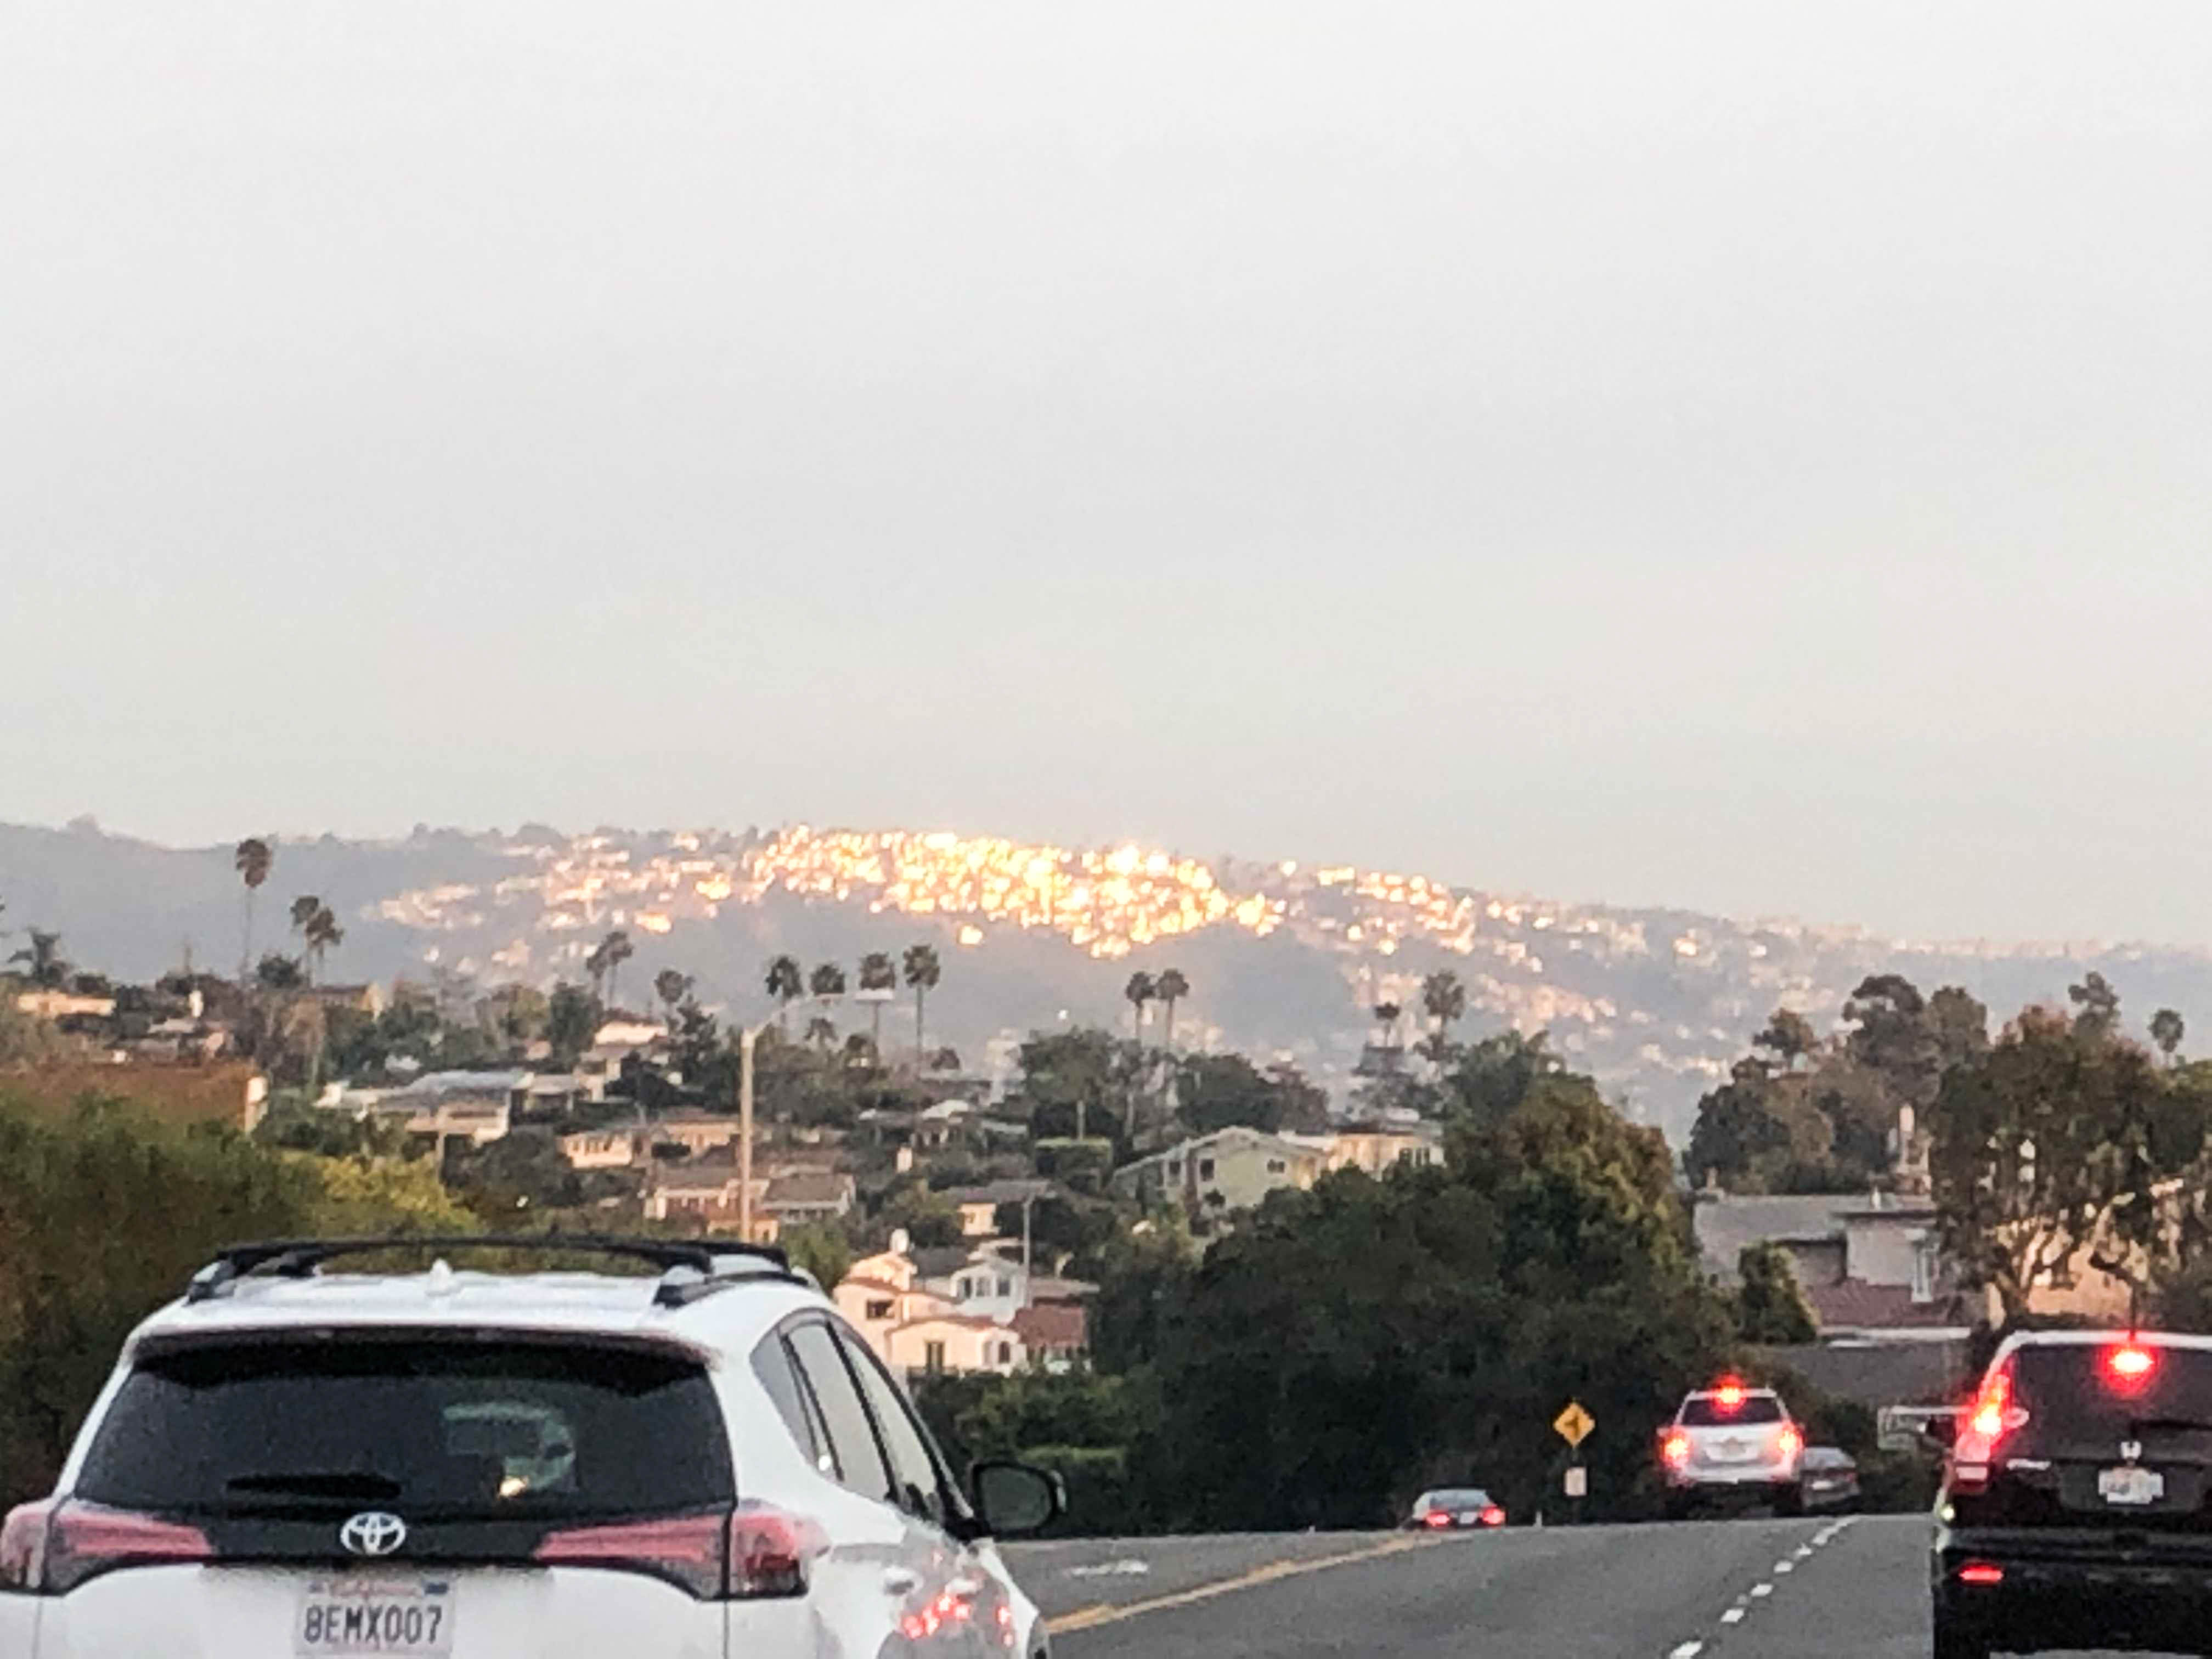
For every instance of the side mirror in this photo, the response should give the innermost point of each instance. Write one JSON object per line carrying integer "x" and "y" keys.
{"x": 1941, "y": 1430}
{"x": 1013, "y": 1498}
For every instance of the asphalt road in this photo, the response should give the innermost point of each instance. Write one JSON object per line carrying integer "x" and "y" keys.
{"x": 1741, "y": 1590}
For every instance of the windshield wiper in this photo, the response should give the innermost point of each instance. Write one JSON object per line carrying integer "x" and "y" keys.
{"x": 311, "y": 1483}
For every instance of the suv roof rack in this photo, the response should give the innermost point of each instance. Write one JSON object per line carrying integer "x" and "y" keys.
{"x": 690, "y": 1268}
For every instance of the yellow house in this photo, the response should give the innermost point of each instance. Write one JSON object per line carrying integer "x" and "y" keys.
{"x": 950, "y": 1342}
{"x": 1232, "y": 1169}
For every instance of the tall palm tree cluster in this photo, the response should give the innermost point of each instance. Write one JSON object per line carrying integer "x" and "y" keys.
{"x": 1168, "y": 988}
{"x": 787, "y": 981}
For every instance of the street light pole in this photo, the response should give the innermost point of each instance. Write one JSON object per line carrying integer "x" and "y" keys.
{"x": 746, "y": 1039}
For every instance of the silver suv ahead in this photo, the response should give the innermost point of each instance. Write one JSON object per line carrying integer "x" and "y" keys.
{"x": 1730, "y": 1443}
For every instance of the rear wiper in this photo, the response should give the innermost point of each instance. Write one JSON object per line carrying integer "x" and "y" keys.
{"x": 319, "y": 1485}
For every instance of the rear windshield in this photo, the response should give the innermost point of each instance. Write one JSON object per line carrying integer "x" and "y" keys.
{"x": 441, "y": 1428}
{"x": 2073, "y": 1388}
{"x": 1704, "y": 1412}
{"x": 1466, "y": 1499}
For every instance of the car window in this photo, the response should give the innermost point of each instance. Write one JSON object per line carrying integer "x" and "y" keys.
{"x": 2070, "y": 1389}
{"x": 853, "y": 1446}
{"x": 1705, "y": 1412}
{"x": 918, "y": 1482}
{"x": 464, "y": 1429}
{"x": 772, "y": 1364}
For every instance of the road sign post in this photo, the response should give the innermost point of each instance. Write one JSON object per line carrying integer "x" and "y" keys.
{"x": 1574, "y": 1425}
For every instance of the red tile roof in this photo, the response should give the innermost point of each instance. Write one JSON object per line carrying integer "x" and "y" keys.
{"x": 1854, "y": 1304}
{"x": 1061, "y": 1327}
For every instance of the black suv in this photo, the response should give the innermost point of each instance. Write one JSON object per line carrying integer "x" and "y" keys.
{"x": 2074, "y": 1511}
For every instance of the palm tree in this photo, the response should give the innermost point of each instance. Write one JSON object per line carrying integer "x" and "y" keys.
{"x": 42, "y": 959}
{"x": 877, "y": 974}
{"x": 923, "y": 971}
{"x": 303, "y": 912}
{"x": 827, "y": 981}
{"x": 253, "y": 860}
{"x": 619, "y": 950}
{"x": 1444, "y": 1000}
{"x": 2167, "y": 1031}
{"x": 321, "y": 931}
{"x": 1171, "y": 988}
{"x": 671, "y": 988}
{"x": 1140, "y": 990}
{"x": 784, "y": 983}
{"x": 1387, "y": 1015}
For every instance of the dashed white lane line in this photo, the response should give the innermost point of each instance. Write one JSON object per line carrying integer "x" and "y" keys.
{"x": 1760, "y": 1592}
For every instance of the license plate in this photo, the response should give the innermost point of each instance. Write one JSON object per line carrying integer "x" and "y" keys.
{"x": 397, "y": 1618}
{"x": 2130, "y": 1485}
{"x": 1468, "y": 1517}
{"x": 1734, "y": 1451}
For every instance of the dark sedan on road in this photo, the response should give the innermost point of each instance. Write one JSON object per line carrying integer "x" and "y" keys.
{"x": 1827, "y": 1479}
{"x": 1455, "y": 1508}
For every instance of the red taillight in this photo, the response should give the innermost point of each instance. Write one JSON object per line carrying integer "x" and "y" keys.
{"x": 50, "y": 1548}
{"x": 1729, "y": 1396}
{"x": 751, "y": 1552}
{"x": 1984, "y": 1573}
{"x": 2129, "y": 1364}
{"x": 1992, "y": 1417}
{"x": 1436, "y": 1518}
{"x": 1674, "y": 1450}
{"x": 1493, "y": 1516}
{"x": 1790, "y": 1441}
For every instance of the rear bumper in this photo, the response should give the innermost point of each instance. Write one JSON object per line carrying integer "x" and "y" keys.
{"x": 2060, "y": 1592}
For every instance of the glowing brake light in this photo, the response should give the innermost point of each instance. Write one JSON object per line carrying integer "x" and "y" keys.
{"x": 1436, "y": 1518}
{"x": 1983, "y": 1573}
{"x": 1790, "y": 1441}
{"x": 1493, "y": 1516}
{"x": 1674, "y": 1450}
{"x": 1993, "y": 1416}
{"x": 2129, "y": 1362}
{"x": 1729, "y": 1395}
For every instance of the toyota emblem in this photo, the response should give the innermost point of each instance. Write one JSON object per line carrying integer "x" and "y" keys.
{"x": 373, "y": 1533}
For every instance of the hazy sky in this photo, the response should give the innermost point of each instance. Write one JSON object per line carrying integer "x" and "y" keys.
{"x": 1756, "y": 457}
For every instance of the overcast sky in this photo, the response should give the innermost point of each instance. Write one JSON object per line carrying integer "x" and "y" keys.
{"x": 1754, "y": 457}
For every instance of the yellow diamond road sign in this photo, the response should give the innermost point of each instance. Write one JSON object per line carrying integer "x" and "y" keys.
{"x": 1573, "y": 1424}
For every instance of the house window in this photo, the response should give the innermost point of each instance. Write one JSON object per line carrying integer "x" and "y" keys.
{"x": 1005, "y": 1353}
{"x": 1276, "y": 1166}
{"x": 1174, "y": 1170}
{"x": 879, "y": 1309}
{"x": 1923, "y": 1270}
{"x": 932, "y": 1357}
{"x": 1006, "y": 1287}
{"x": 1205, "y": 1168}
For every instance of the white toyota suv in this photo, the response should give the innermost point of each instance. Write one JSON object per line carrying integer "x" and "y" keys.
{"x": 706, "y": 1464}
{"x": 1730, "y": 1443}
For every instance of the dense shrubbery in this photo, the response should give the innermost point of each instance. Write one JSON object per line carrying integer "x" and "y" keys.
{"x": 104, "y": 1215}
